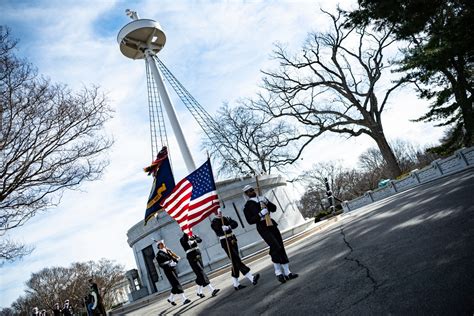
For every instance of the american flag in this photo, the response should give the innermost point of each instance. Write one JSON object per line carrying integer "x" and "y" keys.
{"x": 193, "y": 199}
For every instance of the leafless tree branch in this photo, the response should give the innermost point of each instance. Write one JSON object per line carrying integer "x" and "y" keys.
{"x": 334, "y": 84}
{"x": 252, "y": 142}
{"x": 51, "y": 138}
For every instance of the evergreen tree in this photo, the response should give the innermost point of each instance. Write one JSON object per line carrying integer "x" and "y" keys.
{"x": 438, "y": 58}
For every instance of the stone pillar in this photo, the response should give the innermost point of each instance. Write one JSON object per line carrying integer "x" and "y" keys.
{"x": 134, "y": 282}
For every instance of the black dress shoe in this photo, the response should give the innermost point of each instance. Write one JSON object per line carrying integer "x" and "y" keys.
{"x": 255, "y": 279}
{"x": 201, "y": 295}
{"x": 292, "y": 276}
{"x": 171, "y": 302}
{"x": 214, "y": 293}
{"x": 187, "y": 301}
{"x": 281, "y": 278}
{"x": 239, "y": 287}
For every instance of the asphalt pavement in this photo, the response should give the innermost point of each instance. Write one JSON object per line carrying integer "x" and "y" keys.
{"x": 409, "y": 254}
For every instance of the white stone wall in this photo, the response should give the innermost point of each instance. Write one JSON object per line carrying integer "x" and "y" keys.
{"x": 462, "y": 159}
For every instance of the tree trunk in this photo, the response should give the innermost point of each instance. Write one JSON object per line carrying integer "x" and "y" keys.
{"x": 468, "y": 115}
{"x": 387, "y": 153}
{"x": 468, "y": 118}
{"x": 460, "y": 89}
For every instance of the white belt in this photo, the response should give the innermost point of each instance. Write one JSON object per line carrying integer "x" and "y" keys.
{"x": 168, "y": 262}
{"x": 192, "y": 249}
{"x": 226, "y": 236}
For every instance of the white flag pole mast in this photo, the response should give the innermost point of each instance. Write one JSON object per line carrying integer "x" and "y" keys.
{"x": 178, "y": 132}
{"x": 143, "y": 39}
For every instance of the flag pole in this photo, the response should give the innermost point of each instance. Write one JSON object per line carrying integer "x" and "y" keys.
{"x": 227, "y": 244}
{"x": 268, "y": 219}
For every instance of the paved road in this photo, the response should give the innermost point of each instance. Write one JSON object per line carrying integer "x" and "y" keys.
{"x": 412, "y": 253}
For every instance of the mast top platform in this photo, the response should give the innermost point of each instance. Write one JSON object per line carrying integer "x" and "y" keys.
{"x": 140, "y": 35}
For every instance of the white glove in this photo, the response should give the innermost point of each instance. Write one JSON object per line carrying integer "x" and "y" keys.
{"x": 173, "y": 264}
{"x": 225, "y": 228}
{"x": 263, "y": 212}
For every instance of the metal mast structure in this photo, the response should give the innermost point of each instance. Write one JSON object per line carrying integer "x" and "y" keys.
{"x": 207, "y": 123}
{"x": 143, "y": 39}
{"x": 157, "y": 120}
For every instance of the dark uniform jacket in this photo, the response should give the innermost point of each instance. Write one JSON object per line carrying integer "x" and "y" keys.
{"x": 191, "y": 244}
{"x": 67, "y": 310}
{"x": 270, "y": 234}
{"x": 252, "y": 210}
{"x": 193, "y": 254}
{"x": 229, "y": 244}
{"x": 216, "y": 225}
{"x": 163, "y": 258}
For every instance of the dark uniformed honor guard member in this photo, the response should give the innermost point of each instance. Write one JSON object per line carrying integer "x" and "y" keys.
{"x": 222, "y": 226}
{"x": 168, "y": 260}
{"x": 67, "y": 309}
{"x": 193, "y": 254}
{"x": 255, "y": 210}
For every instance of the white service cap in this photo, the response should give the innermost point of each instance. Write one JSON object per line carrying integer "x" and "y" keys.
{"x": 247, "y": 187}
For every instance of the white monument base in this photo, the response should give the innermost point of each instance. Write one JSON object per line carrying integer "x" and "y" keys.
{"x": 140, "y": 237}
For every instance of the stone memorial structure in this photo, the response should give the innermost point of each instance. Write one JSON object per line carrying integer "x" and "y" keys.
{"x": 141, "y": 238}
{"x": 143, "y": 39}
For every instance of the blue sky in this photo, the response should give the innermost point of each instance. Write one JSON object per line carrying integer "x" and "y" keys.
{"x": 215, "y": 48}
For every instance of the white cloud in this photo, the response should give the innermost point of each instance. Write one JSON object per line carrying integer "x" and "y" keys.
{"x": 216, "y": 49}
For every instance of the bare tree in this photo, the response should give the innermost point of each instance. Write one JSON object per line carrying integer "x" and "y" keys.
{"x": 343, "y": 183}
{"x": 347, "y": 184}
{"x": 408, "y": 156}
{"x": 56, "y": 284}
{"x": 24, "y": 305}
{"x": 310, "y": 203}
{"x": 51, "y": 138}
{"x": 107, "y": 275}
{"x": 335, "y": 84}
{"x": 49, "y": 286}
{"x": 341, "y": 180}
{"x": 11, "y": 250}
{"x": 7, "y": 311}
{"x": 251, "y": 142}
{"x": 375, "y": 168}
